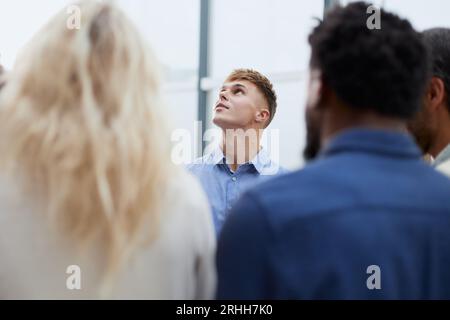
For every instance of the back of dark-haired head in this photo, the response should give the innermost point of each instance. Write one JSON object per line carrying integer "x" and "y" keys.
{"x": 384, "y": 70}
{"x": 438, "y": 41}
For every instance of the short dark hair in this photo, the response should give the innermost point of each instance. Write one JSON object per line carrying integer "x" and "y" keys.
{"x": 384, "y": 70}
{"x": 438, "y": 41}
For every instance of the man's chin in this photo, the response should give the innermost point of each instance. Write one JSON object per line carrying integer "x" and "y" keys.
{"x": 225, "y": 124}
{"x": 222, "y": 123}
{"x": 217, "y": 122}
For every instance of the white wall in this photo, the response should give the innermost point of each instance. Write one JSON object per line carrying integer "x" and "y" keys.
{"x": 423, "y": 14}
{"x": 171, "y": 27}
{"x": 19, "y": 21}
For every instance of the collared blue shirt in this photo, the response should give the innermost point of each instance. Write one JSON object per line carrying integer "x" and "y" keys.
{"x": 223, "y": 187}
{"x": 368, "y": 212}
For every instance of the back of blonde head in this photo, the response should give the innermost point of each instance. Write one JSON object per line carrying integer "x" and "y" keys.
{"x": 80, "y": 124}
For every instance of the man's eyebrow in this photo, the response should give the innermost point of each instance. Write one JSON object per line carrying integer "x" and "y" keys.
{"x": 234, "y": 85}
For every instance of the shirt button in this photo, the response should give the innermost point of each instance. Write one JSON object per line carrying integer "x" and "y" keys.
{"x": 234, "y": 179}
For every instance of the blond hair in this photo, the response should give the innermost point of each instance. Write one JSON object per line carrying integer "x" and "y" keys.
{"x": 80, "y": 123}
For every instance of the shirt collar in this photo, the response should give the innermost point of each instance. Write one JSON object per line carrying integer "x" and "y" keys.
{"x": 443, "y": 156}
{"x": 216, "y": 157}
{"x": 261, "y": 162}
{"x": 373, "y": 141}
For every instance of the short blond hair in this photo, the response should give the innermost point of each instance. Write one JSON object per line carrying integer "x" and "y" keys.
{"x": 262, "y": 83}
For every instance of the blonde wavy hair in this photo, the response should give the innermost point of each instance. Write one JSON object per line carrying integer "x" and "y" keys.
{"x": 81, "y": 125}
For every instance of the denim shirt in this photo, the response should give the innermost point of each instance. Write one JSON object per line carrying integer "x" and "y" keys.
{"x": 223, "y": 186}
{"x": 312, "y": 234}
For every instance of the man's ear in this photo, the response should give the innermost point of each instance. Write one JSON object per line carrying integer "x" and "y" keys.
{"x": 435, "y": 94}
{"x": 263, "y": 115}
{"x": 316, "y": 89}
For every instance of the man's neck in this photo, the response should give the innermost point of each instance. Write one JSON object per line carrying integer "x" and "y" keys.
{"x": 240, "y": 146}
{"x": 441, "y": 139}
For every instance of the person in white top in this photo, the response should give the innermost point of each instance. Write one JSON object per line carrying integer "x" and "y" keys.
{"x": 91, "y": 206}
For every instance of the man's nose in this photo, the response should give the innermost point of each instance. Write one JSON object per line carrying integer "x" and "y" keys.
{"x": 223, "y": 96}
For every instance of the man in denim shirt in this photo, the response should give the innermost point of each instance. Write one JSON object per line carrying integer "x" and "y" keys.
{"x": 246, "y": 106}
{"x": 367, "y": 219}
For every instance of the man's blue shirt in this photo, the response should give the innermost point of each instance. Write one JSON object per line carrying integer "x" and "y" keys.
{"x": 317, "y": 233}
{"x": 223, "y": 187}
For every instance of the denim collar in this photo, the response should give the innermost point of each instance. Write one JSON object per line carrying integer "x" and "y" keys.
{"x": 384, "y": 142}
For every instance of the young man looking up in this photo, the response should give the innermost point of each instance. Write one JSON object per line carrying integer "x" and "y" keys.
{"x": 246, "y": 106}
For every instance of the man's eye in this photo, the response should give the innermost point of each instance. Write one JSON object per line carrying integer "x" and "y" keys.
{"x": 238, "y": 91}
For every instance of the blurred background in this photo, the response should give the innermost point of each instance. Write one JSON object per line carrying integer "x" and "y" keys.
{"x": 199, "y": 42}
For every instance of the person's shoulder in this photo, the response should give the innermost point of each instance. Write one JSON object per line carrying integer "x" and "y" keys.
{"x": 268, "y": 166}
{"x": 294, "y": 194}
{"x": 185, "y": 187}
{"x": 272, "y": 170}
{"x": 285, "y": 179}
{"x": 199, "y": 164}
{"x": 195, "y": 163}
{"x": 188, "y": 199}
{"x": 201, "y": 160}
{"x": 276, "y": 192}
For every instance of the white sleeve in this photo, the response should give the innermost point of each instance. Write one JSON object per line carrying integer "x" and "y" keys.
{"x": 205, "y": 246}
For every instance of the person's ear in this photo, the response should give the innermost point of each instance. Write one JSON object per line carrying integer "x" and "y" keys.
{"x": 262, "y": 115}
{"x": 435, "y": 95}
{"x": 316, "y": 89}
